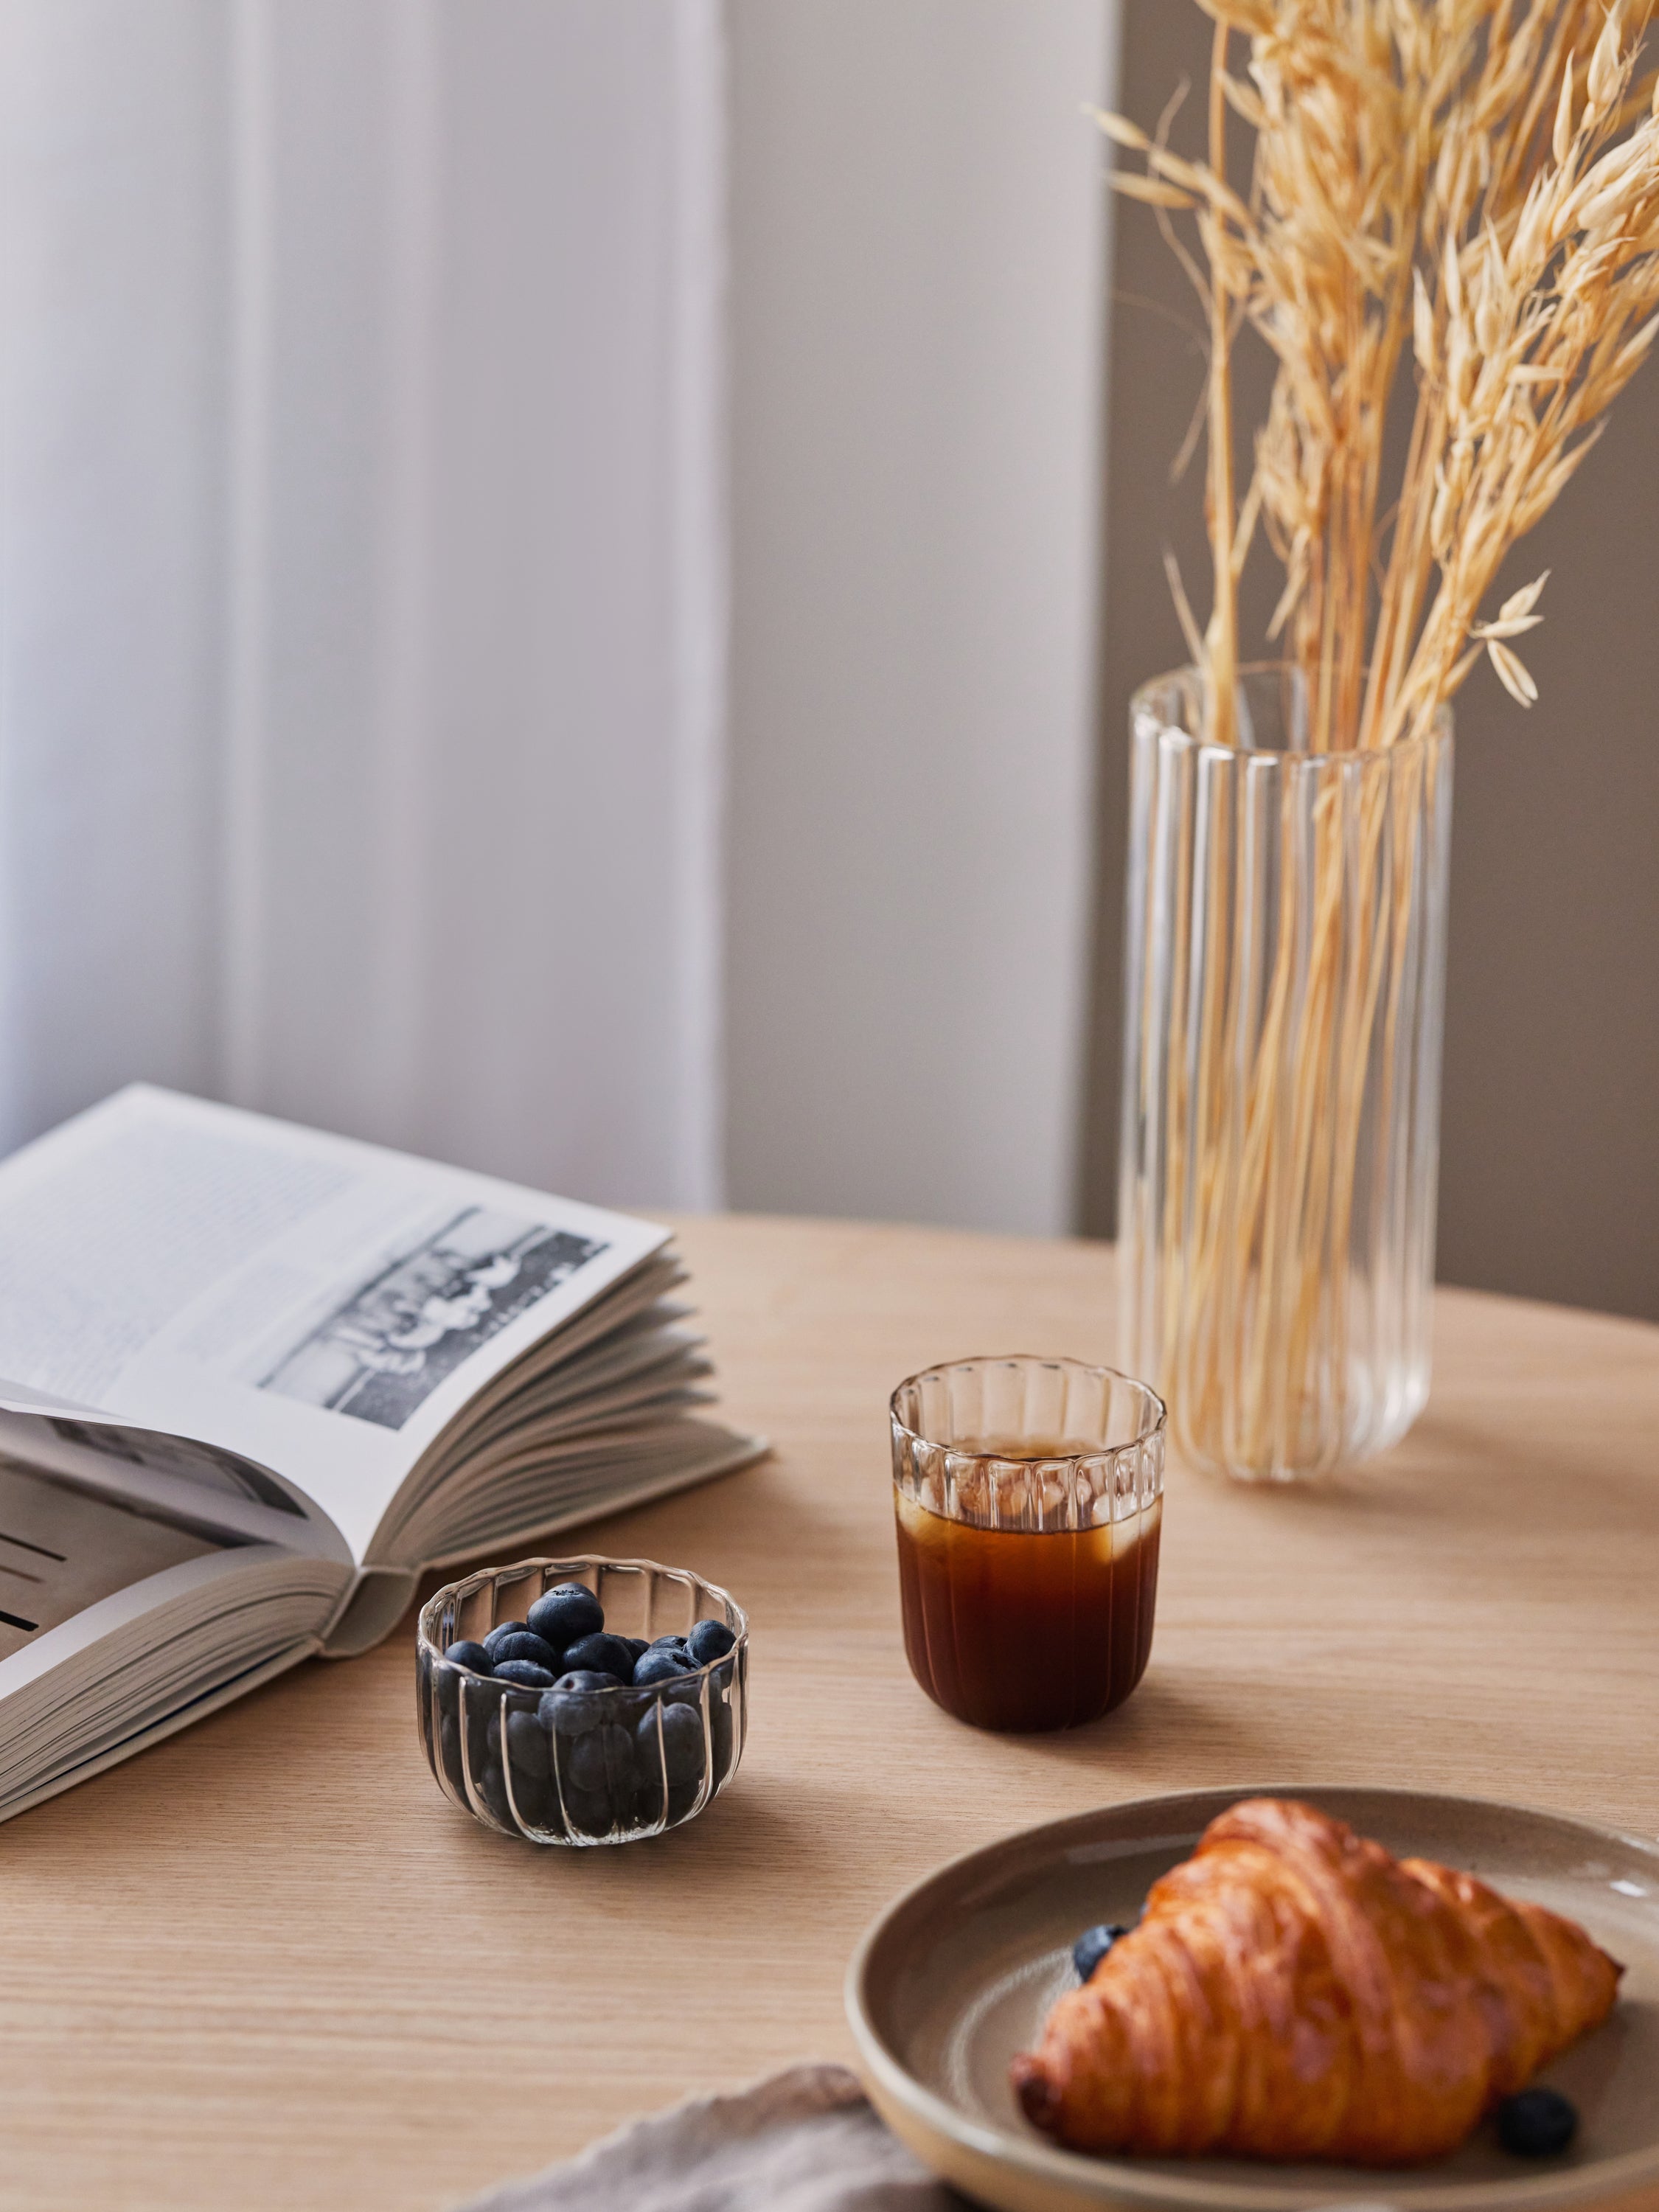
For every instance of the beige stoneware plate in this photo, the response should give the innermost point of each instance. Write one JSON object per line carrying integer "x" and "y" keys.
{"x": 958, "y": 1973}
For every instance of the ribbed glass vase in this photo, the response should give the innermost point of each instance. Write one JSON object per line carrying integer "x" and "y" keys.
{"x": 1285, "y": 968}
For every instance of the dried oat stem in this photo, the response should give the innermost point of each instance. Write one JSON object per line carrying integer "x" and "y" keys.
{"x": 1221, "y": 642}
{"x": 1475, "y": 182}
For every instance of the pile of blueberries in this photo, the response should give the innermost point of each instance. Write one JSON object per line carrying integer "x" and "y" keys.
{"x": 1533, "y": 2124}
{"x": 582, "y": 1758}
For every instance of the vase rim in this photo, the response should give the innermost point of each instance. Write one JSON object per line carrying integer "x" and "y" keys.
{"x": 1189, "y": 676}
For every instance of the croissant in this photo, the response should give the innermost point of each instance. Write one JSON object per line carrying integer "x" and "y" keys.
{"x": 1293, "y": 1992}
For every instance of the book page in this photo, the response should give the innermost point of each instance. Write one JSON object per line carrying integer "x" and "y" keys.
{"x": 319, "y": 1306}
{"x": 61, "y": 1549}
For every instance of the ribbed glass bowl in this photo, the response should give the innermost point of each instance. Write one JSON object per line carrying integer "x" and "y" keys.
{"x": 601, "y": 1766}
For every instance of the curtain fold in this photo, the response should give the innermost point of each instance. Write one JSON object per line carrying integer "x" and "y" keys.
{"x": 363, "y": 572}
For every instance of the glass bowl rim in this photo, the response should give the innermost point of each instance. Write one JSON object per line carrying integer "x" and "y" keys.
{"x": 1439, "y": 732}
{"x": 1149, "y": 1430}
{"x": 425, "y": 1646}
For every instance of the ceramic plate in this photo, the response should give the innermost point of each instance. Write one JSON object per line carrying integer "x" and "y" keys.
{"x": 958, "y": 1974}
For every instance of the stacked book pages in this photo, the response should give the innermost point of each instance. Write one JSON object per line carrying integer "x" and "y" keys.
{"x": 258, "y": 1379}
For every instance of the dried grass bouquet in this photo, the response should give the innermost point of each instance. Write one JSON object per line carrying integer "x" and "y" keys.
{"x": 1471, "y": 186}
{"x": 1471, "y": 183}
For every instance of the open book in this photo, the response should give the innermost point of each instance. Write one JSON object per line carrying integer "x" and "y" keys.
{"x": 259, "y": 1378}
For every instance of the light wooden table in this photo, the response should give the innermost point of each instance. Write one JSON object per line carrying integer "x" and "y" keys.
{"x": 266, "y": 1966}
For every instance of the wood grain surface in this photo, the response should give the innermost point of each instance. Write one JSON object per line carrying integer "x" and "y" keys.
{"x": 266, "y": 1965}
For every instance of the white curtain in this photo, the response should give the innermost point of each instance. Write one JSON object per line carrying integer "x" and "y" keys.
{"x": 363, "y": 574}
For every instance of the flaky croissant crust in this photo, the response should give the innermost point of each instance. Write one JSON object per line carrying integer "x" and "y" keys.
{"x": 1294, "y": 1992}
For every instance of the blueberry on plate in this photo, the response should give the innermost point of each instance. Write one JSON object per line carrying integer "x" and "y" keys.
{"x": 1536, "y": 2122}
{"x": 1091, "y": 1947}
{"x": 661, "y": 1666}
{"x": 601, "y": 1655}
{"x": 709, "y": 1639}
{"x": 524, "y": 1675}
{"x": 525, "y": 1644}
{"x": 468, "y": 1654}
{"x": 563, "y": 1614}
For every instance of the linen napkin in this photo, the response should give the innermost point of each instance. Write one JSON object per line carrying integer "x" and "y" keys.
{"x": 807, "y": 2139}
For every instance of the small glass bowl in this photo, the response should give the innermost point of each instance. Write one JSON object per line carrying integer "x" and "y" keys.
{"x": 599, "y": 1766}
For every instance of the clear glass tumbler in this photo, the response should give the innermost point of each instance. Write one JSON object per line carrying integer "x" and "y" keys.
{"x": 1284, "y": 967}
{"x": 1028, "y": 1496}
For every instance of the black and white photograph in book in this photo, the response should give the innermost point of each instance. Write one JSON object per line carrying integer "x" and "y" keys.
{"x": 385, "y": 1349}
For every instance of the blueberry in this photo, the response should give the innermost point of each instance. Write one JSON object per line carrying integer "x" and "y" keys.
{"x": 448, "y": 1682}
{"x": 566, "y": 1614}
{"x": 603, "y": 1655}
{"x": 661, "y": 1667}
{"x": 679, "y": 1756}
{"x": 667, "y": 1643}
{"x": 599, "y": 1761}
{"x": 723, "y": 1728}
{"x": 588, "y": 1815}
{"x": 682, "y": 1801}
{"x": 527, "y": 1748}
{"x": 469, "y": 1655}
{"x": 502, "y": 1628}
{"x": 528, "y": 1755}
{"x": 586, "y": 1677}
{"x": 525, "y": 1644}
{"x": 538, "y": 1807}
{"x": 573, "y": 1705}
{"x": 491, "y": 1786}
{"x": 524, "y": 1675}
{"x": 1091, "y": 1948}
{"x": 449, "y": 1750}
{"x": 709, "y": 1639}
{"x": 1537, "y": 2123}
{"x": 649, "y": 1799}
{"x": 637, "y": 1645}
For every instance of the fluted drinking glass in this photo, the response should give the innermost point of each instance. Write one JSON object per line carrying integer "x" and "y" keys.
{"x": 1285, "y": 965}
{"x": 1029, "y": 1497}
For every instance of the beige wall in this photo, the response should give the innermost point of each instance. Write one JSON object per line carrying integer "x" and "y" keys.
{"x": 916, "y": 280}
{"x": 1550, "y": 1152}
